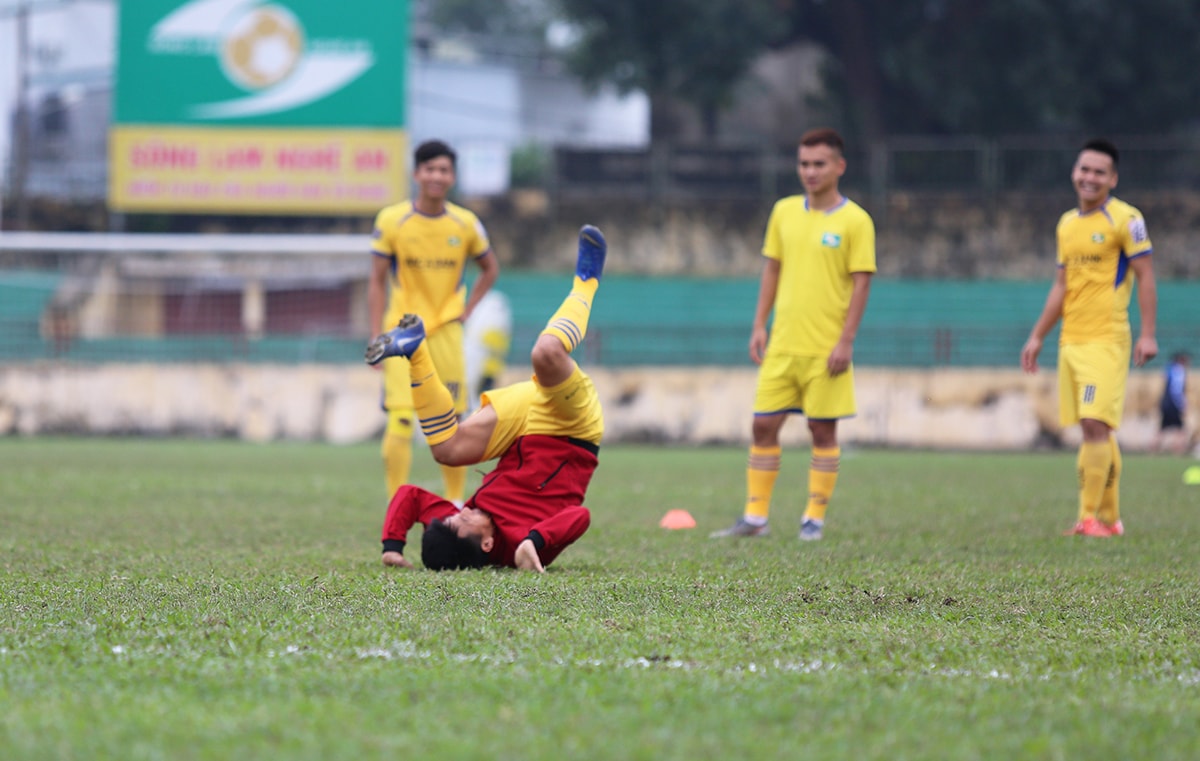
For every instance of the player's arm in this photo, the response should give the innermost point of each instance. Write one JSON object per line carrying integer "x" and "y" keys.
{"x": 489, "y": 272}
{"x": 843, "y": 352}
{"x": 377, "y": 295}
{"x": 1050, "y": 314}
{"x": 403, "y": 511}
{"x": 1146, "y": 347}
{"x": 557, "y": 531}
{"x": 767, "y": 287}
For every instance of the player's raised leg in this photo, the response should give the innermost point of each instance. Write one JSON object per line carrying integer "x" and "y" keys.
{"x": 567, "y": 328}
{"x": 433, "y": 401}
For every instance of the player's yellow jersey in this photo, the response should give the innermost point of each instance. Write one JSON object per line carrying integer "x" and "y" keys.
{"x": 428, "y": 256}
{"x": 1094, "y": 249}
{"x": 817, "y": 252}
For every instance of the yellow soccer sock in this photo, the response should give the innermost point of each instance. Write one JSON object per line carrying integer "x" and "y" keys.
{"x": 569, "y": 323}
{"x": 822, "y": 478}
{"x": 1095, "y": 460}
{"x": 435, "y": 405}
{"x": 761, "y": 472}
{"x": 396, "y": 450}
{"x": 455, "y": 480}
{"x": 1110, "y": 503}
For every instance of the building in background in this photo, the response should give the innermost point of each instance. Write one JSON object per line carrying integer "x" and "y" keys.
{"x": 488, "y": 109}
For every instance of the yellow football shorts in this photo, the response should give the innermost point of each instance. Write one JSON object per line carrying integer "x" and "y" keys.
{"x": 1091, "y": 382}
{"x": 788, "y": 383}
{"x": 572, "y": 408}
{"x": 446, "y": 347}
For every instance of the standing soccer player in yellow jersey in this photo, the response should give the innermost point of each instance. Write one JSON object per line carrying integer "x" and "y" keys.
{"x": 1100, "y": 245}
{"x": 420, "y": 250}
{"x": 820, "y": 255}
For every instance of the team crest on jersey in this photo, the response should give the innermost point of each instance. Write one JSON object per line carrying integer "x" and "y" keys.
{"x": 1137, "y": 230}
{"x": 1097, "y": 237}
{"x": 831, "y": 240}
{"x": 454, "y": 240}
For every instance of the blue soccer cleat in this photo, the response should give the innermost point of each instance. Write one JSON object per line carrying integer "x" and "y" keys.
{"x": 742, "y": 527}
{"x": 592, "y": 248}
{"x": 812, "y": 529}
{"x": 400, "y": 341}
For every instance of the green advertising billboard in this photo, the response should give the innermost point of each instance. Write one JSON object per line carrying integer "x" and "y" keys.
{"x": 248, "y": 106}
{"x": 299, "y": 63}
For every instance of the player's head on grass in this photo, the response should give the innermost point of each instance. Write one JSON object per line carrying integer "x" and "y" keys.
{"x": 444, "y": 549}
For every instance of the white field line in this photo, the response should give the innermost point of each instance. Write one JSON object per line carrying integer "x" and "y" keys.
{"x": 407, "y": 651}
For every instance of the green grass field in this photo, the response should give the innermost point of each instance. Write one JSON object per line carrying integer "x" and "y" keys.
{"x": 220, "y": 600}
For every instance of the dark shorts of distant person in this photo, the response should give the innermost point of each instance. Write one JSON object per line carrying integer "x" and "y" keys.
{"x": 1172, "y": 417}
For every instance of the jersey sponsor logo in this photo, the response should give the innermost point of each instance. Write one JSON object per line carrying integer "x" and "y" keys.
{"x": 1137, "y": 230}
{"x": 1084, "y": 259}
{"x": 1089, "y": 394}
{"x": 831, "y": 240}
{"x": 416, "y": 263}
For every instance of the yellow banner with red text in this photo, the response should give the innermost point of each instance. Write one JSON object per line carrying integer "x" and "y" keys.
{"x": 250, "y": 171}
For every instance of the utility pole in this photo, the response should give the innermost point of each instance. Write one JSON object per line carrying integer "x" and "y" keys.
{"x": 21, "y": 147}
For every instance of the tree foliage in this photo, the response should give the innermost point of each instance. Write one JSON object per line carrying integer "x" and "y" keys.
{"x": 693, "y": 51}
{"x": 1004, "y": 66}
{"x": 894, "y": 66}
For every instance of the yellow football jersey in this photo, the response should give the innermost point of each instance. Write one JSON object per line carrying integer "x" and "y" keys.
{"x": 428, "y": 256}
{"x": 1094, "y": 249}
{"x": 817, "y": 252}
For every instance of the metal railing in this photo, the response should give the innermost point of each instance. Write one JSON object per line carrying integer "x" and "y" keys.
{"x": 963, "y": 165}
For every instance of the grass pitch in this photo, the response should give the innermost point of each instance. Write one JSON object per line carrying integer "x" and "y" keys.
{"x": 220, "y": 600}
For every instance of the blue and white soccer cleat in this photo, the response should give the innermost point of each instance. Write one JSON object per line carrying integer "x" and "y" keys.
{"x": 742, "y": 527}
{"x": 400, "y": 341}
{"x": 592, "y": 248}
{"x": 812, "y": 529}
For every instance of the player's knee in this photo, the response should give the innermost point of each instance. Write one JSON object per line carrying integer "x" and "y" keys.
{"x": 765, "y": 429}
{"x": 446, "y": 453}
{"x": 548, "y": 353}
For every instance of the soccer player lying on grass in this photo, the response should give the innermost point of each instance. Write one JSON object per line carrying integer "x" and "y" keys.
{"x": 546, "y": 432}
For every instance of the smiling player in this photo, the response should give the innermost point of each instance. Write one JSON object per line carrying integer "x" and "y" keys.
{"x": 420, "y": 249}
{"x": 1103, "y": 247}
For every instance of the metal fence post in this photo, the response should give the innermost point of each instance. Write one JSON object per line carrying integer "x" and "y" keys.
{"x": 878, "y": 161}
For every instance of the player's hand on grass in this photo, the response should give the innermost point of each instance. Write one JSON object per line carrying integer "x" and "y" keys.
{"x": 396, "y": 560}
{"x": 1029, "y": 354}
{"x": 527, "y": 558}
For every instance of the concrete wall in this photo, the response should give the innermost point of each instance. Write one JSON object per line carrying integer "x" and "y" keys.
{"x": 961, "y": 409}
{"x": 1008, "y": 237}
